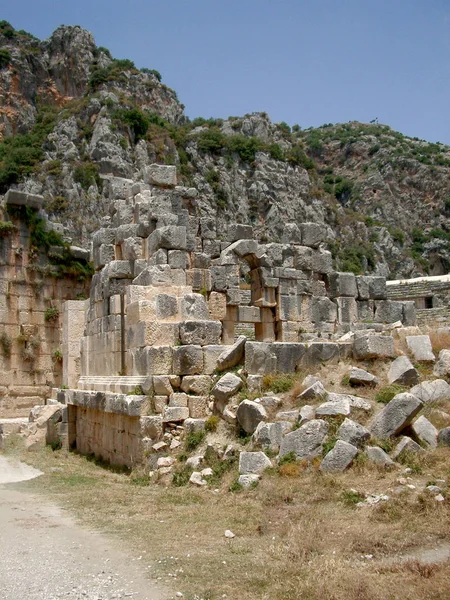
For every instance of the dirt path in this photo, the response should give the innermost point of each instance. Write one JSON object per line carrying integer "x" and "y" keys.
{"x": 46, "y": 555}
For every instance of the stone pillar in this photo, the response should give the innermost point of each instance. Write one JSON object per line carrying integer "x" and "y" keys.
{"x": 265, "y": 331}
{"x": 229, "y": 324}
{"x": 73, "y": 328}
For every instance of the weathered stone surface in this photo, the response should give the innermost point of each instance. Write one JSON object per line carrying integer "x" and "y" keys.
{"x": 406, "y": 444}
{"x": 188, "y": 360}
{"x": 196, "y": 384}
{"x": 151, "y": 426}
{"x": 353, "y": 433}
{"x": 339, "y": 458}
{"x": 248, "y": 480}
{"x": 178, "y": 399}
{"x": 425, "y": 431}
{"x": 249, "y": 414}
{"x": 342, "y": 284}
{"x": 162, "y": 385}
{"x": 307, "y": 413}
{"x": 305, "y": 442}
{"x": 340, "y": 406}
{"x": 253, "y": 462}
{"x": 320, "y": 352}
{"x": 269, "y": 435}
{"x": 18, "y": 198}
{"x": 442, "y": 367}
{"x": 359, "y": 376}
{"x": 161, "y": 175}
{"x": 420, "y": 346}
{"x": 396, "y": 415}
{"x": 226, "y": 387}
{"x": 431, "y": 391}
{"x": 316, "y": 391}
{"x": 374, "y": 346}
{"x": 203, "y": 333}
{"x": 174, "y": 414}
{"x": 259, "y": 358}
{"x": 197, "y": 479}
{"x": 444, "y": 436}
{"x": 269, "y": 402}
{"x": 402, "y": 372}
{"x": 194, "y": 425}
{"x": 313, "y": 234}
{"x": 288, "y": 415}
{"x": 194, "y": 308}
{"x": 233, "y": 355}
{"x": 379, "y": 457}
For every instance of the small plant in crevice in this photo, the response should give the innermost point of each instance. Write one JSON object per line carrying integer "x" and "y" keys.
{"x": 51, "y": 315}
{"x": 194, "y": 439}
{"x": 57, "y": 356}
{"x": 5, "y": 344}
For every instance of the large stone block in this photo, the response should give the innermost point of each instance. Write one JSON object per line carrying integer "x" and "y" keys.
{"x": 250, "y": 414}
{"x": 200, "y": 332}
{"x": 396, "y": 415}
{"x": 171, "y": 237}
{"x": 253, "y": 462}
{"x": 374, "y": 346}
{"x": 175, "y": 414}
{"x": 388, "y": 311}
{"x": 420, "y": 347}
{"x": 194, "y": 308}
{"x": 305, "y": 442}
{"x": 259, "y": 358}
{"x": 347, "y": 310}
{"x": 187, "y": 360}
{"x": 159, "y": 360}
{"x": 288, "y": 355}
{"x": 339, "y": 458}
{"x": 319, "y": 352}
{"x": 342, "y": 284}
{"x": 226, "y": 387}
{"x": 18, "y": 198}
{"x": 232, "y": 355}
{"x": 402, "y": 372}
{"x": 161, "y": 175}
{"x": 323, "y": 310}
{"x": 313, "y": 234}
{"x": 269, "y": 435}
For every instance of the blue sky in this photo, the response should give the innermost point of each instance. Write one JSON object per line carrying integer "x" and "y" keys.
{"x": 303, "y": 61}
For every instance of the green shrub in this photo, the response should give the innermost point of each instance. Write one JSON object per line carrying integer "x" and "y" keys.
{"x": 278, "y": 382}
{"x": 211, "y": 423}
{"x": 351, "y": 497}
{"x": 211, "y": 140}
{"x": 86, "y": 174}
{"x": 5, "y": 344}
{"x": 7, "y": 29}
{"x": 194, "y": 439}
{"x": 386, "y": 393}
{"x": 135, "y": 119}
{"x": 276, "y": 151}
{"x": 57, "y": 356}
{"x": 154, "y": 72}
{"x": 6, "y": 228}
{"x": 5, "y": 57}
{"x": 288, "y": 459}
{"x": 297, "y": 157}
{"x": 51, "y": 315}
{"x": 181, "y": 476}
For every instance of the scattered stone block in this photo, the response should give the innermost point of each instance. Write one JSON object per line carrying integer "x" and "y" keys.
{"x": 316, "y": 391}
{"x": 353, "y": 433}
{"x": 269, "y": 435}
{"x": 305, "y": 442}
{"x": 406, "y": 444}
{"x": 203, "y": 333}
{"x": 253, "y": 462}
{"x": 248, "y": 480}
{"x": 232, "y": 355}
{"x": 249, "y": 414}
{"x": 420, "y": 347}
{"x": 402, "y": 372}
{"x": 175, "y": 414}
{"x": 442, "y": 367}
{"x": 226, "y": 387}
{"x": 339, "y": 458}
{"x": 444, "y": 436}
{"x": 196, "y": 478}
{"x": 431, "y": 391}
{"x": 341, "y": 406}
{"x": 396, "y": 415}
{"x": 161, "y": 175}
{"x": 379, "y": 457}
{"x": 359, "y": 376}
{"x": 18, "y": 198}
{"x": 425, "y": 431}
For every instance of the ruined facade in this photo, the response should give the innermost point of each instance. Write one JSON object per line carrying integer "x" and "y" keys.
{"x": 166, "y": 300}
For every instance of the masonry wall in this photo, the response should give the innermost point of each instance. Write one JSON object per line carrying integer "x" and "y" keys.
{"x": 30, "y": 343}
{"x": 113, "y": 437}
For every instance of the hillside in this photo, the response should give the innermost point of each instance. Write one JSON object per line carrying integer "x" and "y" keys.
{"x": 72, "y": 117}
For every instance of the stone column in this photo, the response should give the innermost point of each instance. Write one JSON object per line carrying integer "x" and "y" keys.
{"x": 73, "y": 328}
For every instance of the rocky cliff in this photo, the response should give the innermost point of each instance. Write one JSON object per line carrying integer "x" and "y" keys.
{"x": 72, "y": 119}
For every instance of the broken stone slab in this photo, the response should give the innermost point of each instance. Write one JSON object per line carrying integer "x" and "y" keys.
{"x": 151, "y": 426}
{"x": 248, "y": 480}
{"x": 442, "y": 367}
{"x": 194, "y": 461}
{"x": 187, "y": 360}
{"x": 165, "y": 461}
{"x": 420, "y": 347}
{"x": 354, "y": 401}
{"x": 309, "y": 381}
{"x": 253, "y": 462}
{"x": 18, "y": 198}
{"x": 249, "y": 414}
{"x": 373, "y": 346}
{"x": 396, "y": 415}
{"x": 226, "y": 387}
{"x": 269, "y": 401}
{"x": 379, "y": 457}
{"x": 305, "y": 442}
{"x": 269, "y": 435}
{"x": 402, "y": 372}
{"x": 430, "y": 391}
{"x": 444, "y": 436}
{"x": 196, "y": 384}
{"x": 307, "y": 413}
{"x": 339, "y": 458}
{"x": 359, "y": 376}
{"x": 340, "y": 406}
{"x": 406, "y": 444}
{"x": 425, "y": 431}
{"x": 229, "y": 415}
{"x": 233, "y": 355}
{"x": 316, "y": 391}
{"x": 259, "y": 358}
{"x": 353, "y": 433}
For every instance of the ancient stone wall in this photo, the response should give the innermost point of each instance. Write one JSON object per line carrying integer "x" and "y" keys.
{"x": 30, "y": 321}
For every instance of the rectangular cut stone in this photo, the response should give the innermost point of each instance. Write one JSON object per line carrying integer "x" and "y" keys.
{"x": 210, "y": 356}
{"x": 259, "y": 358}
{"x": 159, "y": 360}
{"x": 175, "y": 414}
{"x": 217, "y": 304}
{"x": 200, "y": 332}
{"x": 347, "y": 310}
{"x": 161, "y": 175}
{"x": 342, "y": 284}
{"x": 187, "y": 360}
{"x": 249, "y": 314}
{"x": 178, "y": 399}
{"x": 199, "y": 279}
{"x": 198, "y": 406}
{"x": 313, "y": 234}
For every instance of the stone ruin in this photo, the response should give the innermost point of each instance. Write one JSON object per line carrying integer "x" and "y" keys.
{"x": 168, "y": 300}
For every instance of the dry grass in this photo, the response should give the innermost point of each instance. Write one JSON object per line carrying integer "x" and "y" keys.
{"x": 439, "y": 341}
{"x": 297, "y": 536}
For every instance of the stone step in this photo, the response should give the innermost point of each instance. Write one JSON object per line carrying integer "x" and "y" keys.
{"x": 117, "y": 384}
